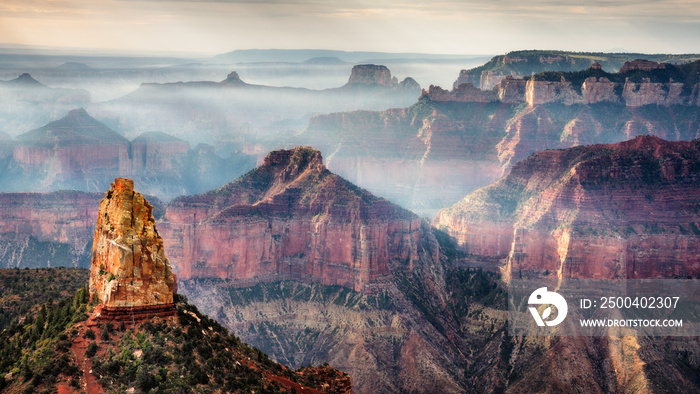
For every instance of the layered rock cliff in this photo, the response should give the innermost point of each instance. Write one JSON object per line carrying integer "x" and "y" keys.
{"x": 47, "y": 230}
{"x": 604, "y": 211}
{"x": 371, "y": 74}
{"x": 129, "y": 268}
{"x": 638, "y": 83}
{"x": 290, "y": 218}
{"x": 157, "y": 152}
{"x": 378, "y": 75}
{"x": 519, "y": 64}
{"x": 430, "y": 155}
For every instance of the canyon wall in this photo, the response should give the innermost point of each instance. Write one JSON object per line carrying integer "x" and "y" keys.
{"x": 604, "y": 211}
{"x": 519, "y": 64}
{"x": 50, "y": 229}
{"x": 465, "y": 92}
{"x": 638, "y": 83}
{"x": 157, "y": 152}
{"x": 430, "y": 155}
{"x": 47, "y": 230}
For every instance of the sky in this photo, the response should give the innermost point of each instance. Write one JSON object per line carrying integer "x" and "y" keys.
{"x": 442, "y": 26}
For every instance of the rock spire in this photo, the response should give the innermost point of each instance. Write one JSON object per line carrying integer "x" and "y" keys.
{"x": 129, "y": 269}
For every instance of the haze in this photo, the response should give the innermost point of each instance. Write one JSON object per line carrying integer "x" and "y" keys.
{"x": 452, "y": 26}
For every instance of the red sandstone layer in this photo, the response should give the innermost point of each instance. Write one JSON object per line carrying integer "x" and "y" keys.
{"x": 134, "y": 313}
{"x": 602, "y": 211}
{"x": 129, "y": 267}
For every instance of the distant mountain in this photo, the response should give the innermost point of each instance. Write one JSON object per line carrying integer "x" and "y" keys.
{"x": 302, "y": 55}
{"x": 234, "y": 108}
{"x": 639, "y": 82}
{"x": 74, "y": 66}
{"x": 525, "y": 63}
{"x": 78, "y": 152}
{"x": 27, "y": 103}
{"x": 325, "y": 60}
{"x": 77, "y": 127}
{"x": 24, "y": 81}
{"x": 428, "y": 156}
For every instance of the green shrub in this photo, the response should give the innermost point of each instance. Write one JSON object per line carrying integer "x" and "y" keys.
{"x": 91, "y": 349}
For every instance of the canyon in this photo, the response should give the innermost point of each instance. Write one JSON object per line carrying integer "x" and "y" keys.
{"x": 310, "y": 268}
{"x": 450, "y": 148}
{"x": 333, "y": 274}
{"x": 625, "y": 210}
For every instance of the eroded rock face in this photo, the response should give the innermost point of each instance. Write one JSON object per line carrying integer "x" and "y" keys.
{"x": 291, "y": 219}
{"x": 129, "y": 267}
{"x": 604, "y": 211}
{"x": 641, "y": 64}
{"x": 465, "y": 92}
{"x": 542, "y": 92}
{"x": 647, "y": 93}
{"x": 371, "y": 74}
{"x": 47, "y": 230}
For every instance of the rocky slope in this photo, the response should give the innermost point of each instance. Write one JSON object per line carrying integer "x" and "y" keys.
{"x": 22, "y": 289}
{"x": 603, "y": 211}
{"x": 290, "y": 218}
{"x": 428, "y": 156}
{"x": 402, "y": 338}
{"x": 80, "y": 153}
{"x": 74, "y": 349}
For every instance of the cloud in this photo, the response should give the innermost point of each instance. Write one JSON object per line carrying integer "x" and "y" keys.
{"x": 453, "y": 26}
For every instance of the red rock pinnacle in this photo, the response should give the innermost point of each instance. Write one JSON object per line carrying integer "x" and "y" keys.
{"x": 129, "y": 268}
